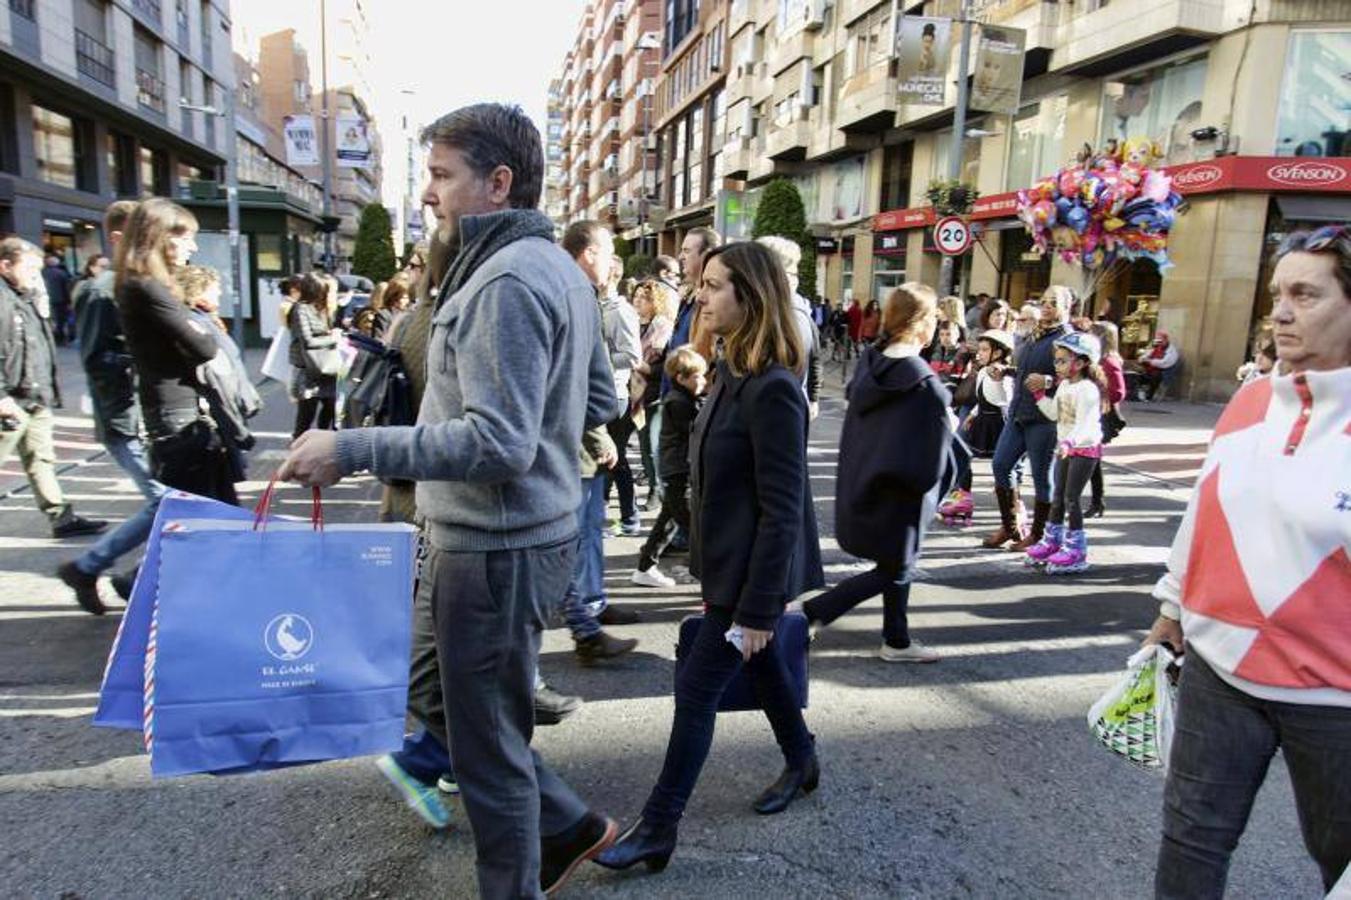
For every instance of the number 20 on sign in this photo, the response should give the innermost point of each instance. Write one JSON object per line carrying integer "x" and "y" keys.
{"x": 952, "y": 236}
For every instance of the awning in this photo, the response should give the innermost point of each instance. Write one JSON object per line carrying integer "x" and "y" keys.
{"x": 1299, "y": 208}
{"x": 999, "y": 225}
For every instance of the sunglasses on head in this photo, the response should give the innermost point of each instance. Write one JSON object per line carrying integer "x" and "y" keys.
{"x": 1317, "y": 240}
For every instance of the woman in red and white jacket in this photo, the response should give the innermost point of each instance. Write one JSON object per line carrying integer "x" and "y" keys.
{"x": 1259, "y": 582}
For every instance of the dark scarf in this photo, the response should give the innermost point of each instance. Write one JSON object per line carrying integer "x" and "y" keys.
{"x": 497, "y": 230}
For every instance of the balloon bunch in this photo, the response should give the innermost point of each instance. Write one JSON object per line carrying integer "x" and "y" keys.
{"x": 1107, "y": 206}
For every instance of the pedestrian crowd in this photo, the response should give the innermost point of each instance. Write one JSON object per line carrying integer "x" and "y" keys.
{"x": 495, "y": 386}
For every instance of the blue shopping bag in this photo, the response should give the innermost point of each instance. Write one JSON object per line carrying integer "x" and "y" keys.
{"x": 791, "y": 634}
{"x": 278, "y": 645}
{"x": 121, "y": 697}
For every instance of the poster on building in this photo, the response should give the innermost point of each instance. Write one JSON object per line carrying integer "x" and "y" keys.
{"x": 302, "y": 143}
{"x": 354, "y": 143}
{"x": 922, "y": 45}
{"x": 998, "y": 81}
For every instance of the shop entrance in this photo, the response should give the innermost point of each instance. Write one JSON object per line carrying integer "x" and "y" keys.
{"x": 1023, "y": 272}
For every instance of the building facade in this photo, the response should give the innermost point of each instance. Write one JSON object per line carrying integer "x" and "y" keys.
{"x": 90, "y": 111}
{"x": 1248, "y": 102}
{"x": 601, "y": 118}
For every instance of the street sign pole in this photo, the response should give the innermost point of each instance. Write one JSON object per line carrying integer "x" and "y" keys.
{"x": 958, "y": 132}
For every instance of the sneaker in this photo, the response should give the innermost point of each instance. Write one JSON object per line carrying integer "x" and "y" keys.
{"x": 67, "y": 524}
{"x": 653, "y": 578}
{"x": 561, "y": 854}
{"x": 447, "y": 784}
{"x": 124, "y": 583}
{"x": 626, "y": 528}
{"x": 915, "y": 653}
{"x": 423, "y": 800}
{"x": 551, "y": 707}
{"x": 601, "y": 646}
{"x": 85, "y": 586}
{"x": 618, "y": 614}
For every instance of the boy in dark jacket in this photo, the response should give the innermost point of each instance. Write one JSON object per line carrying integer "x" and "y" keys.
{"x": 688, "y": 372}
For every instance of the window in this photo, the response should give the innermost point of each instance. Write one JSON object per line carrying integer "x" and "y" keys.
{"x": 269, "y": 252}
{"x": 1037, "y": 145}
{"x": 23, "y": 8}
{"x": 869, "y": 42}
{"x": 896, "y": 163}
{"x": 121, "y": 152}
{"x": 149, "y": 81}
{"x": 61, "y": 148}
{"x": 1163, "y": 103}
{"x": 970, "y": 155}
{"x": 1314, "y": 115}
{"x": 93, "y": 56}
{"x": 154, "y": 172}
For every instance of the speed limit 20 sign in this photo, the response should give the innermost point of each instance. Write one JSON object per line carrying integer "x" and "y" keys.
{"x": 952, "y": 236}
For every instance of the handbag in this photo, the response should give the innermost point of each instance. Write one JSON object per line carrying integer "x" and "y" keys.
{"x": 1112, "y": 425}
{"x": 323, "y": 361}
{"x": 792, "y": 636}
{"x": 964, "y": 394}
{"x": 276, "y": 364}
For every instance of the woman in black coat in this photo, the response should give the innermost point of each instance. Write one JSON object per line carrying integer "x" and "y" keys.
{"x": 167, "y": 347}
{"x": 896, "y": 462}
{"x": 748, "y": 461}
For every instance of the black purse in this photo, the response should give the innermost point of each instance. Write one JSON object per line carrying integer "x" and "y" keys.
{"x": 1112, "y": 425}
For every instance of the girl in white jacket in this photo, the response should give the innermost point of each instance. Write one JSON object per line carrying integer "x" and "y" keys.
{"x": 1076, "y": 408}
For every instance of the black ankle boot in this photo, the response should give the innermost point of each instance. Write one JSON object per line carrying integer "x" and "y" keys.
{"x": 642, "y": 843}
{"x": 1095, "y": 509}
{"x": 781, "y": 793}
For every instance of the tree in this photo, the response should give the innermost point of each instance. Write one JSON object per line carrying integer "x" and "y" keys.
{"x": 373, "y": 255}
{"x": 781, "y": 213}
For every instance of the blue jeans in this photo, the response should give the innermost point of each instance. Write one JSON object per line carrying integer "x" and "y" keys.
{"x": 585, "y": 596}
{"x": 1223, "y": 743}
{"x": 130, "y": 454}
{"x": 712, "y": 665}
{"x": 424, "y": 757}
{"x": 1037, "y": 440}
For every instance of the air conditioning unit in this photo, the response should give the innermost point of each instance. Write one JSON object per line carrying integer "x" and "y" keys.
{"x": 815, "y": 15}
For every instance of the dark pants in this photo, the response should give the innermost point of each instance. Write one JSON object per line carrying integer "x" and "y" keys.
{"x": 1096, "y": 482}
{"x": 622, "y": 475}
{"x": 885, "y": 579}
{"x": 1071, "y": 474}
{"x": 712, "y": 664}
{"x": 1037, "y": 440}
{"x": 195, "y": 460}
{"x": 306, "y": 410}
{"x": 424, "y": 754}
{"x": 674, "y": 515}
{"x": 489, "y": 610}
{"x": 647, "y": 450}
{"x": 1224, "y": 741}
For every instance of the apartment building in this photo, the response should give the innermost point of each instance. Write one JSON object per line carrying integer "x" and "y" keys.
{"x": 90, "y": 110}
{"x": 601, "y": 118}
{"x": 1248, "y": 101}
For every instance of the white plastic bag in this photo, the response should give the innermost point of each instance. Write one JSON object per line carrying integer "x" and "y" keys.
{"x": 1135, "y": 718}
{"x": 277, "y": 363}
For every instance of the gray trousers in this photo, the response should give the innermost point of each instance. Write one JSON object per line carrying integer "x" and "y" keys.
{"x": 424, "y": 672}
{"x": 489, "y": 610}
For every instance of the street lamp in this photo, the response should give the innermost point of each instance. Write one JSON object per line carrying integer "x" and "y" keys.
{"x": 647, "y": 41}
{"x": 231, "y": 204}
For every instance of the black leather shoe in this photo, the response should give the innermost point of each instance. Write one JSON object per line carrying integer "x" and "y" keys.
{"x": 561, "y": 854}
{"x": 85, "y": 586}
{"x": 617, "y": 614}
{"x": 1095, "y": 509}
{"x": 777, "y": 797}
{"x": 124, "y": 583}
{"x": 601, "y": 646}
{"x": 67, "y": 524}
{"x": 644, "y": 843}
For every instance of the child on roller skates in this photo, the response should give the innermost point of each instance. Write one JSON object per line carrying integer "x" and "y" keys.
{"x": 980, "y": 429}
{"x": 1077, "y": 410}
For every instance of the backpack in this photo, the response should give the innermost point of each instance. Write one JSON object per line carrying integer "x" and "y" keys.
{"x": 382, "y": 394}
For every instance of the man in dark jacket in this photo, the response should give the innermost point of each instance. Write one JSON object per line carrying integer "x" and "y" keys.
{"x": 117, "y": 420}
{"x": 57, "y": 281}
{"x": 698, "y": 242}
{"x": 28, "y": 388}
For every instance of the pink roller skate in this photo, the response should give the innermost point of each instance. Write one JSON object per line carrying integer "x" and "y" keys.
{"x": 1047, "y": 547}
{"x": 957, "y": 509}
{"x": 1072, "y": 556}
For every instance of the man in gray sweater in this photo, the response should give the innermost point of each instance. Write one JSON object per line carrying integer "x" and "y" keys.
{"x": 515, "y": 370}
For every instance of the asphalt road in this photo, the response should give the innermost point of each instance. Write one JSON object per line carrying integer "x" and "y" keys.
{"x": 972, "y": 777}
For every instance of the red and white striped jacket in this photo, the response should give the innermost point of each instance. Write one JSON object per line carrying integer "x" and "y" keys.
{"x": 1261, "y": 565}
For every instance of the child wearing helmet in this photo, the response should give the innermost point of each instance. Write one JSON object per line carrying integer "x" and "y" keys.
{"x": 980, "y": 429}
{"x": 1076, "y": 409}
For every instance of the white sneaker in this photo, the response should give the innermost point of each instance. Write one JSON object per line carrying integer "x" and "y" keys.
{"x": 653, "y": 578}
{"x": 915, "y": 653}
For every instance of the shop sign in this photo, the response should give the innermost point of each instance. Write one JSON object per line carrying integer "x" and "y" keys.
{"x": 827, "y": 245}
{"x": 889, "y": 243}
{"x": 1307, "y": 173}
{"x": 897, "y": 219}
{"x": 1262, "y": 173}
{"x": 995, "y": 206}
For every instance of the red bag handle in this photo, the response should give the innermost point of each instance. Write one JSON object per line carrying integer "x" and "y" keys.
{"x": 263, "y": 508}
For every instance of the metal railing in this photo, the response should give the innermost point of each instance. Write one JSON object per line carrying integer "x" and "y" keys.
{"x": 149, "y": 8}
{"x": 94, "y": 58}
{"x": 149, "y": 90}
{"x": 24, "y": 8}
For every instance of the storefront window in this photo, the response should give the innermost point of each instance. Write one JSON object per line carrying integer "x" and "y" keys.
{"x": 269, "y": 247}
{"x": 1163, "y": 103}
{"x": 57, "y": 146}
{"x": 1314, "y": 115}
{"x": 1037, "y": 143}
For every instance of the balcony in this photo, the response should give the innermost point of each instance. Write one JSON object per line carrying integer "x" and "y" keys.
{"x": 791, "y": 49}
{"x": 762, "y": 166}
{"x": 1116, "y": 35}
{"x": 736, "y": 158}
{"x": 867, "y": 101}
{"x": 789, "y": 136}
{"x": 741, "y": 12}
{"x": 150, "y": 9}
{"x": 150, "y": 90}
{"x": 740, "y": 82}
{"x": 94, "y": 59}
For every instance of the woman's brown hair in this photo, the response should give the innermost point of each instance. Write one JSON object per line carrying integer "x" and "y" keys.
{"x": 906, "y": 309}
{"x": 396, "y": 290}
{"x": 767, "y": 334}
{"x": 665, "y": 301}
{"x": 143, "y": 251}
